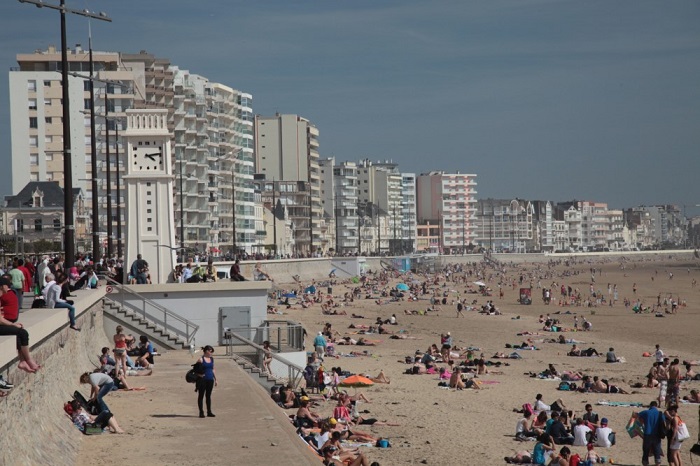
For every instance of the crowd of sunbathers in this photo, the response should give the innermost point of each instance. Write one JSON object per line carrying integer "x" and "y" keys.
{"x": 552, "y": 426}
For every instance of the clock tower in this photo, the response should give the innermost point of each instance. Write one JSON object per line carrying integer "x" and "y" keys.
{"x": 149, "y": 193}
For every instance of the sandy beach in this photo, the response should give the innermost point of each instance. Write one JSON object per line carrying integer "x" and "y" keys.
{"x": 443, "y": 426}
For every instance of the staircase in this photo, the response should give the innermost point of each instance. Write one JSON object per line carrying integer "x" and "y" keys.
{"x": 154, "y": 331}
{"x": 267, "y": 381}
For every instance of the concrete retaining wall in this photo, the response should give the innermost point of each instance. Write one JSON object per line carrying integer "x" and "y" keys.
{"x": 35, "y": 429}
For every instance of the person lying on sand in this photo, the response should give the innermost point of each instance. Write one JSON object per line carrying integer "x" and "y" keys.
{"x": 380, "y": 378}
{"x": 694, "y": 397}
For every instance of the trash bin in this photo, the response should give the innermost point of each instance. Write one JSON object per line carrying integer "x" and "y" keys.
{"x": 330, "y": 290}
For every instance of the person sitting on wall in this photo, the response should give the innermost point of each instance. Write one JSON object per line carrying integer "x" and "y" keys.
{"x": 235, "y": 272}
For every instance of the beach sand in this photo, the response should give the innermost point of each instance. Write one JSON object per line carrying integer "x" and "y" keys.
{"x": 445, "y": 427}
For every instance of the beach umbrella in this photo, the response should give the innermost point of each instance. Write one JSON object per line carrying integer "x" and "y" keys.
{"x": 356, "y": 381}
{"x": 311, "y": 289}
{"x": 289, "y": 295}
{"x": 402, "y": 287}
{"x": 479, "y": 283}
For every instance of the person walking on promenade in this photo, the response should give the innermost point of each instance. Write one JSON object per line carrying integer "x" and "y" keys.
{"x": 206, "y": 381}
{"x": 653, "y": 423}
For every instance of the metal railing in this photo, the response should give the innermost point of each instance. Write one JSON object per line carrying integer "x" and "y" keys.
{"x": 151, "y": 311}
{"x": 282, "y": 334}
{"x": 295, "y": 374}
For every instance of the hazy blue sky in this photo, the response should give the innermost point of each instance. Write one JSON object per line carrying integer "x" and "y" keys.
{"x": 595, "y": 100}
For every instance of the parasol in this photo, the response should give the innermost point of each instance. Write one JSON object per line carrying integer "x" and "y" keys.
{"x": 479, "y": 283}
{"x": 356, "y": 381}
{"x": 402, "y": 287}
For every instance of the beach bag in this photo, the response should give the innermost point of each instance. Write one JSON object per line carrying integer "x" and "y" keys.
{"x": 564, "y": 386}
{"x": 90, "y": 428}
{"x": 635, "y": 428}
{"x": 682, "y": 433}
{"x": 193, "y": 374}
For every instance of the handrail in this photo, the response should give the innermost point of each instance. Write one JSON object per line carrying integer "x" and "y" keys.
{"x": 293, "y": 338}
{"x": 190, "y": 327}
{"x": 294, "y": 373}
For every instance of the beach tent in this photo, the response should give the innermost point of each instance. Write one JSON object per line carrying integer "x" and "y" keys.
{"x": 311, "y": 290}
{"x": 402, "y": 287}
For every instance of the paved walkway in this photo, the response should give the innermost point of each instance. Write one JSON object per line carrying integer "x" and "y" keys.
{"x": 164, "y": 428}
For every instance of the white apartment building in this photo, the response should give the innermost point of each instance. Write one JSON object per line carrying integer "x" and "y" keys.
{"x": 448, "y": 200}
{"x": 408, "y": 210}
{"x": 213, "y": 156}
{"x": 347, "y": 201}
{"x": 36, "y": 112}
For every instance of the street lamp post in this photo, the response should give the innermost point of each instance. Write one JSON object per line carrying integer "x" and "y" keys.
{"x": 234, "y": 159}
{"x": 93, "y": 165}
{"x": 119, "y": 195}
{"x": 182, "y": 213}
{"x": 69, "y": 219}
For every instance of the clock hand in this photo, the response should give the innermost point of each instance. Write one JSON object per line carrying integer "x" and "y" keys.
{"x": 150, "y": 156}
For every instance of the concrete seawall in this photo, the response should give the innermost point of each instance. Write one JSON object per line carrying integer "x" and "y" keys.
{"x": 35, "y": 429}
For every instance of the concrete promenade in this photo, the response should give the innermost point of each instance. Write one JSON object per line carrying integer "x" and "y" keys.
{"x": 249, "y": 427}
{"x": 164, "y": 428}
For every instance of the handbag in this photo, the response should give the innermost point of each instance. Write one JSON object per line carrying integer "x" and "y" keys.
{"x": 682, "y": 432}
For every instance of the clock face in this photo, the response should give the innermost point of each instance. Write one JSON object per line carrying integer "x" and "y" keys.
{"x": 147, "y": 156}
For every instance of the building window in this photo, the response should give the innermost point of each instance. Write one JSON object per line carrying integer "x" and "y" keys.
{"x": 86, "y": 85}
{"x": 86, "y": 104}
{"x": 33, "y": 141}
{"x": 33, "y": 159}
{"x": 31, "y": 85}
{"x": 47, "y": 120}
{"x": 49, "y": 157}
{"x": 48, "y": 139}
{"x": 33, "y": 122}
{"x": 37, "y": 224}
{"x": 49, "y": 176}
{"x": 19, "y": 225}
{"x": 32, "y": 104}
{"x": 47, "y": 83}
{"x": 57, "y": 224}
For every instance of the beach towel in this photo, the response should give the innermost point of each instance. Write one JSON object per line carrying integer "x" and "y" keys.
{"x": 625, "y": 404}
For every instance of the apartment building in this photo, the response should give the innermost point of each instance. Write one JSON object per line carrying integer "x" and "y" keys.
{"x": 448, "y": 200}
{"x": 286, "y": 149}
{"x": 408, "y": 211}
{"x": 36, "y": 117}
{"x": 506, "y": 225}
{"x": 214, "y": 165}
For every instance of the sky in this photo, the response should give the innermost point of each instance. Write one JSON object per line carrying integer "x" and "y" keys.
{"x": 592, "y": 100}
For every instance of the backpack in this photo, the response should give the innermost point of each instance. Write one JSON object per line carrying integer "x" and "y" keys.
{"x": 38, "y": 303}
{"x": 564, "y": 386}
{"x": 193, "y": 374}
{"x": 89, "y": 406}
